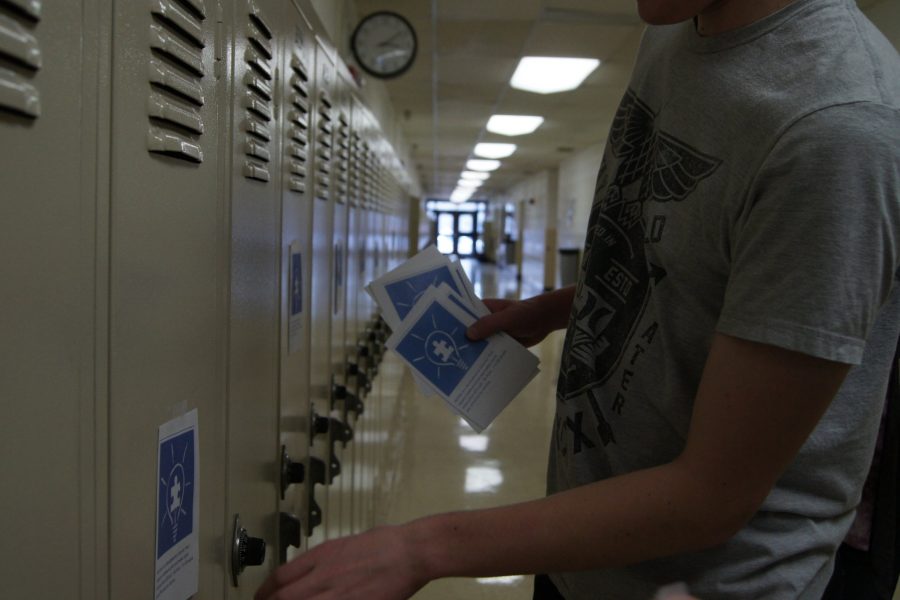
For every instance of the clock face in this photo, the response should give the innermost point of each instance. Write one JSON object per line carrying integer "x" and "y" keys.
{"x": 385, "y": 44}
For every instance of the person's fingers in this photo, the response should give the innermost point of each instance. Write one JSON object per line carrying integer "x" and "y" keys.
{"x": 282, "y": 576}
{"x": 495, "y": 304}
{"x": 486, "y": 326}
{"x": 492, "y": 323}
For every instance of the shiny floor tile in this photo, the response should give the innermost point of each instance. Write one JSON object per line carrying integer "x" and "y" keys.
{"x": 446, "y": 466}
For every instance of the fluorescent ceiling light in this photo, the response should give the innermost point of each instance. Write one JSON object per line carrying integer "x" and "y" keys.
{"x": 482, "y": 165}
{"x": 548, "y": 75}
{"x": 468, "y": 183}
{"x": 479, "y": 175}
{"x": 487, "y": 150}
{"x": 460, "y": 195}
{"x": 514, "y": 124}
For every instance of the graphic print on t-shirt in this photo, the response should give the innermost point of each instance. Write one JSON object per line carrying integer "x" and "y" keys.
{"x": 617, "y": 279}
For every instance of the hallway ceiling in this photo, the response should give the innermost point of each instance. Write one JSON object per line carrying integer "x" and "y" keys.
{"x": 467, "y": 55}
{"x": 468, "y": 51}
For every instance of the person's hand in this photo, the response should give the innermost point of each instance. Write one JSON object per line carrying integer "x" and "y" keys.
{"x": 527, "y": 321}
{"x": 376, "y": 565}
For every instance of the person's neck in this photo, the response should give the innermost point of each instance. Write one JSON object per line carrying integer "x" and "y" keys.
{"x": 726, "y": 15}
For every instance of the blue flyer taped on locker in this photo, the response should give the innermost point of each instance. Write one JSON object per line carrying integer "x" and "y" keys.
{"x": 177, "y": 509}
{"x": 477, "y": 379}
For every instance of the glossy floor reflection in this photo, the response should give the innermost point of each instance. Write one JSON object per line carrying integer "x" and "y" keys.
{"x": 445, "y": 465}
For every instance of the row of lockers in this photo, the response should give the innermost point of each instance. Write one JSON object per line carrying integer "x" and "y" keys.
{"x": 193, "y": 196}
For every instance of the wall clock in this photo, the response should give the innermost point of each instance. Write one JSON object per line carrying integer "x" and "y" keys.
{"x": 384, "y": 44}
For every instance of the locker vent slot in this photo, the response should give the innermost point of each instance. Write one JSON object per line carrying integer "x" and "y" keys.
{"x": 298, "y": 139}
{"x": 343, "y": 163}
{"x": 20, "y": 58}
{"x": 175, "y": 74}
{"x": 324, "y": 144}
{"x": 178, "y": 17}
{"x": 28, "y": 8}
{"x": 355, "y": 183}
{"x": 257, "y": 128}
{"x": 258, "y": 96}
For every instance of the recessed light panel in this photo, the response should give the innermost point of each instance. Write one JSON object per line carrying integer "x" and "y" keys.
{"x": 490, "y": 150}
{"x": 461, "y": 195}
{"x": 482, "y": 165}
{"x": 512, "y": 125}
{"x": 478, "y": 175}
{"x": 549, "y": 75}
{"x": 468, "y": 183}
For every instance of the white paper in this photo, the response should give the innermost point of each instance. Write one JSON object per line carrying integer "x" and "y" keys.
{"x": 177, "y": 509}
{"x": 477, "y": 389}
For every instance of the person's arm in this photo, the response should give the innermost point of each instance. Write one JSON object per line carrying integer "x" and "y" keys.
{"x": 528, "y": 321}
{"x": 755, "y": 407}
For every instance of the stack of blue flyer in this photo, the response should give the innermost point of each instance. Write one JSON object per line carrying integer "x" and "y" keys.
{"x": 429, "y": 302}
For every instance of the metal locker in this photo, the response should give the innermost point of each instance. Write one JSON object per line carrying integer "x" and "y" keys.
{"x": 322, "y": 280}
{"x": 299, "y": 475}
{"x": 53, "y": 239}
{"x": 339, "y": 516}
{"x": 255, "y": 149}
{"x": 166, "y": 277}
{"x": 357, "y": 297}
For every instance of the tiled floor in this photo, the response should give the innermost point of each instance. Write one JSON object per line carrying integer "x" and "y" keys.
{"x": 446, "y": 466}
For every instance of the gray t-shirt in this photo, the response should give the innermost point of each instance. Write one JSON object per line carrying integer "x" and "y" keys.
{"x": 750, "y": 186}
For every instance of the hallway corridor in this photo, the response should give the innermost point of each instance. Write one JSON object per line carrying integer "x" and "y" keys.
{"x": 446, "y": 466}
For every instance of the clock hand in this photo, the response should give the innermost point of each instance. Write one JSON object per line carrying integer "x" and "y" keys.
{"x": 388, "y": 41}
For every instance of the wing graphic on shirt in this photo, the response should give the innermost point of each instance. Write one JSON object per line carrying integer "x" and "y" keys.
{"x": 642, "y": 164}
{"x": 675, "y": 170}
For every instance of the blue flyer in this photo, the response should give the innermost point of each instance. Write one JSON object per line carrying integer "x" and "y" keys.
{"x": 437, "y": 347}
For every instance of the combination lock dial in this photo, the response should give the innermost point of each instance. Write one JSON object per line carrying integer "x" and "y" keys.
{"x": 246, "y": 551}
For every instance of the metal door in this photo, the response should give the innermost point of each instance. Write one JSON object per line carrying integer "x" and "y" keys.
{"x": 299, "y": 477}
{"x": 53, "y": 241}
{"x": 322, "y": 279}
{"x": 342, "y": 433}
{"x": 255, "y": 168}
{"x": 166, "y": 298}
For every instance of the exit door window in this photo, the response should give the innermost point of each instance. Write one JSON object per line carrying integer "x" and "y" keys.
{"x": 467, "y": 223}
{"x": 458, "y": 227}
{"x": 446, "y": 233}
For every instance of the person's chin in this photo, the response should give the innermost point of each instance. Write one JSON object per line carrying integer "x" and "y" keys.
{"x": 662, "y": 12}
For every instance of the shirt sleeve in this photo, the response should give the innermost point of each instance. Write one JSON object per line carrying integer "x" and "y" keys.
{"x": 814, "y": 253}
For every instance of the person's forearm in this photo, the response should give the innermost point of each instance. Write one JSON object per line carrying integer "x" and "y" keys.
{"x": 643, "y": 515}
{"x": 558, "y": 305}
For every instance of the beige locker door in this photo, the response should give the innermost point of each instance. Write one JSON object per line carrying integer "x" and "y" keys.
{"x": 339, "y": 515}
{"x": 52, "y": 290}
{"x": 356, "y": 296}
{"x": 255, "y": 151}
{"x": 297, "y": 475}
{"x": 322, "y": 280}
{"x": 166, "y": 300}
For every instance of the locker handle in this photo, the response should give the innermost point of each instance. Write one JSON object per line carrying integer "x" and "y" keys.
{"x": 340, "y": 394}
{"x": 289, "y": 534}
{"x": 337, "y": 431}
{"x": 291, "y": 472}
{"x": 313, "y": 511}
